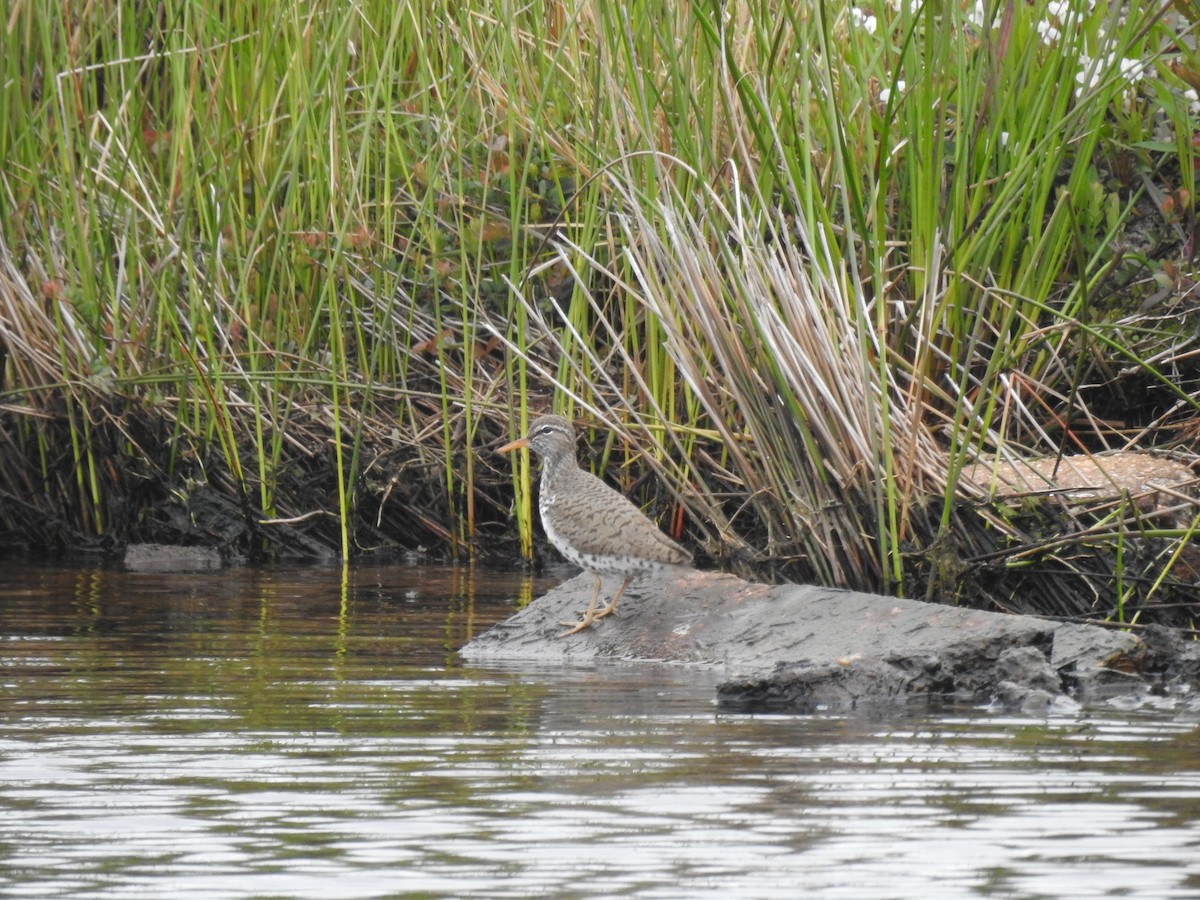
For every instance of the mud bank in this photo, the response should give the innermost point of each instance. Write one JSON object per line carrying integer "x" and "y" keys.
{"x": 796, "y": 647}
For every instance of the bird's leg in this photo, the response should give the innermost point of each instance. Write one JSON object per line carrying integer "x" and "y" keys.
{"x": 588, "y": 617}
{"x": 612, "y": 606}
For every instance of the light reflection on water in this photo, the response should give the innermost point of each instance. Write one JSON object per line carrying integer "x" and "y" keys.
{"x": 284, "y": 733}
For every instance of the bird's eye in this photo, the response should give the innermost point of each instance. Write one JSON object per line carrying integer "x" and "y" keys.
{"x": 546, "y": 429}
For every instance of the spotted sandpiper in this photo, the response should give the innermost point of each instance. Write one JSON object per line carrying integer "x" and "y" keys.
{"x": 589, "y": 523}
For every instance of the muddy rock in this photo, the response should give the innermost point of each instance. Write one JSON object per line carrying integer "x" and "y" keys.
{"x": 170, "y": 558}
{"x": 797, "y": 647}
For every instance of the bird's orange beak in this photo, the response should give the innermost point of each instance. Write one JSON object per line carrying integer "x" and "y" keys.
{"x": 514, "y": 445}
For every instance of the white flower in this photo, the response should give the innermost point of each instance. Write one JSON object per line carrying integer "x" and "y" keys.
{"x": 1094, "y": 71}
{"x": 1059, "y": 9}
{"x": 978, "y": 17}
{"x": 1049, "y": 34}
{"x": 1133, "y": 70}
{"x": 1087, "y": 78}
{"x": 885, "y": 93}
{"x": 1193, "y": 100}
{"x": 863, "y": 20}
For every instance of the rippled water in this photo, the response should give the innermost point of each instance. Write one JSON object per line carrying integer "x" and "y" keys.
{"x": 304, "y": 733}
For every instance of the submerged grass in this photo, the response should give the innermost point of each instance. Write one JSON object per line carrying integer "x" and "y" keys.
{"x": 275, "y": 278}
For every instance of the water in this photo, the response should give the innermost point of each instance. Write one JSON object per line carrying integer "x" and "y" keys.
{"x": 294, "y": 733}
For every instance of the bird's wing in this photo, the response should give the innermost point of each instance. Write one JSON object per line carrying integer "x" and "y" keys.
{"x": 599, "y": 518}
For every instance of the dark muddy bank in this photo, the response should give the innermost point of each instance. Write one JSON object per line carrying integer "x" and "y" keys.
{"x": 794, "y": 647}
{"x": 1092, "y": 537}
{"x": 152, "y": 482}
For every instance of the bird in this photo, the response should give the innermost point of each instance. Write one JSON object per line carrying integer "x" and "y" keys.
{"x": 590, "y": 524}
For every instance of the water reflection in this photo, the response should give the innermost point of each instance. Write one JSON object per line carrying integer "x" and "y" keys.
{"x": 297, "y": 733}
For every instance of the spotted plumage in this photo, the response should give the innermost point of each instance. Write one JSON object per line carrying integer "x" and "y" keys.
{"x": 590, "y": 524}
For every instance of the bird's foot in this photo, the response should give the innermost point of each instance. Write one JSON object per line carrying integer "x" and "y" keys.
{"x": 576, "y": 627}
{"x": 604, "y": 613}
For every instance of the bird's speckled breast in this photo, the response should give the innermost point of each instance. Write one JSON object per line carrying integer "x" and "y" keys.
{"x": 602, "y": 564}
{"x": 546, "y": 500}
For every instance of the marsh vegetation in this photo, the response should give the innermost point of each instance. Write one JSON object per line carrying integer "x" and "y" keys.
{"x": 276, "y": 277}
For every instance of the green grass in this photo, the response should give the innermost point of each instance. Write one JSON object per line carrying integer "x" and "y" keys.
{"x": 319, "y": 258}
